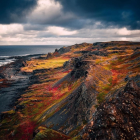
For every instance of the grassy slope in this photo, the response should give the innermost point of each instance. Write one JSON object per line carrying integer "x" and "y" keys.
{"x": 106, "y": 74}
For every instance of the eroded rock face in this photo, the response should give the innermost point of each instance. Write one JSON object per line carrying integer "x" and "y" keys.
{"x": 49, "y": 55}
{"x": 66, "y": 64}
{"x": 79, "y": 73}
{"x": 80, "y": 68}
{"x": 64, "y": 50}
{"x": 81, "y": 103}
{"x": 117, "y": 119}
{"x": 80, "y": 107}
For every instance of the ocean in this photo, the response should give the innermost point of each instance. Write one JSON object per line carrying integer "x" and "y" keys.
{"x": 21, "y": 50}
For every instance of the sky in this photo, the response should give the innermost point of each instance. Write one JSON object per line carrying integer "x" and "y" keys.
{"x": 67, "y": 22}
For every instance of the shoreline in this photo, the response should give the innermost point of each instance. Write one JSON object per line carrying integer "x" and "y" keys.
{"x": 68, "y": 92}
{"x": 16, "y": 57}
{"x": 14, "y": 82}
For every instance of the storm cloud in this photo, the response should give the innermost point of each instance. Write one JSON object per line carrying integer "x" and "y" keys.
{"x": 121, "y": 13}
{"x": 14, "y": 11}
{"x": 68, "y": 21}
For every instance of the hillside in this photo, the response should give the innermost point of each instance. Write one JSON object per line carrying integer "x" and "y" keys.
{"x": 84, "y": 91}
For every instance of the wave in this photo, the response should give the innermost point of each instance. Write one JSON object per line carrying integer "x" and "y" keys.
{"x": 4, "y": 56}
{"x": 14, "y": 56}
{"x": 6, "y": 61}
{"x": 24, "y": 55}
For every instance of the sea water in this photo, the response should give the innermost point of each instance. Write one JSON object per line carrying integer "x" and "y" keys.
{"x": 21, "y": 50}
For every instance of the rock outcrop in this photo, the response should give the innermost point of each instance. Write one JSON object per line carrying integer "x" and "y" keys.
{"x": 49, "y": 55}
{"x": 118, "y": 118}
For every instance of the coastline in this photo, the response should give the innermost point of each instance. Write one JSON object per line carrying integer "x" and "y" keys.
{"x": 66, "y": 91}
{"x": 10, "y": 59}
{"x": 13, "y": 82}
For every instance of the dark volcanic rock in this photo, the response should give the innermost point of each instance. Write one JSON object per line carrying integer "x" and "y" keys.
{"x": 78, "y": 63}
{"x": 137, "y": 53}
{"x": 80, "y": 68}
{"x": 119, "y": 118}
{"x": 137, "y": 80}
{"x": 64, "y": 50}
{"x": 1, "y": 76}
{"x": 79, "y": 73}
{"x": 127, "y": 78}
{"x": 56, "y": 50}
{"x": 66, "y": 64}
{"x": 101, "y": 53}
{"x": 83, "y": 52}
{"x": 49, "y": 55}
{"x": 113, "y": 43}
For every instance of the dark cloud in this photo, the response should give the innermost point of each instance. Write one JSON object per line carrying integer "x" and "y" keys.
{"x": 112, "y": 12}
{"x": 12, "y": 11}
{"x": 72, "y": 23}
{"x": 36, "y": 27}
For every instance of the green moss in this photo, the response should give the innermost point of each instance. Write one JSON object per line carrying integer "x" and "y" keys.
{"x": 49, "y": 134}
{"x": 11, "y": 112}
{"x": 75, "y": 131}
{"x": 110, "y": 80}
{"x": 120, "y": 59}
{"x": 40, "y": 105}
{"x": 98, "y": 61}
{"x": 24, "y": 102}
{"x": 107, "y": 87}
{"x": 101, "y": 97}
{"x": 76, "y": 138}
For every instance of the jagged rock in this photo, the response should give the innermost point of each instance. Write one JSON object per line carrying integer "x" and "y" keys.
{"x": 56, "y": 50}
{"x": 83, "y": 52}
{"x": 66, "y": 64}
{"x": 79, "y": 73}
{"x": 101, "y": 53}
{"x": 80, "y": 68}
{"x": 1, "y": 76}
{"x": 131, "y": 87}
{"x": 127, "y": 78}
{"x": 118, "y": 118}
{"x": 78, "y": 63}
{"x": 137, "y": 80}
{"x": 49, "y": 56}
{"x": 137, "y": 53}
{"x": 80, "y": 104}
{"x": 64, "y": 50}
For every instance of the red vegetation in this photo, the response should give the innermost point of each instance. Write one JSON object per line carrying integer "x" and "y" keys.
{"x": 25, "y": 130}
{"x": 118, "y": 74}
{"x": 56, "y": 54}
{"x": 115, "y": 74}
